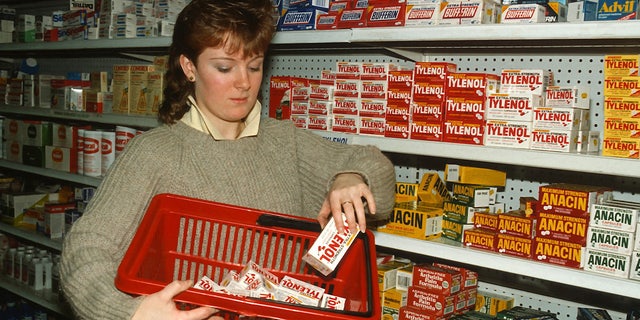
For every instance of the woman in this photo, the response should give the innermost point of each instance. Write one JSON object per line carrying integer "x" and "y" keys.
{"x": 213, "y": 145}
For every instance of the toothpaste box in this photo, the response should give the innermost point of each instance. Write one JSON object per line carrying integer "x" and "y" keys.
{"x": 617, "y": 10}
{"x": 512, "y": 106}
{"x": 523, "y": 13}
{"x": 511, "y": 134}
{"x": 329, "y": 248}
{"x": 608, "y": 263}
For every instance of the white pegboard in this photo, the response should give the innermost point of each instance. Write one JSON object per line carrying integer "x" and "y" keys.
{"x": 564, "y": 310}
{"x": 575, "y": 68}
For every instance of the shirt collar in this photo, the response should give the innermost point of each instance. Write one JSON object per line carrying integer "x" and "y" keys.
{"x": 194, "y": 118}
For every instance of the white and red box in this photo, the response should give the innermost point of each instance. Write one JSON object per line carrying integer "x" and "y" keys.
{"x": 534, "y": 81}
{"x": 474, "y": 84}
{"x": 430, "y": 302}
{"x": 517, "y": 106}
{"x": 556, "y": 140}
{"x": 568, "y": 97}
{"x": 422, "y": 13}
{"x": 511, "y": 134}
{"x": 389, "y": 13}
{"x": 559, "y": 118}
{"x": 462, "y": 131}
{"x": 61, "y": 158}
{"x": 464, "y": 107}
{"x": 424, "y": 130}
{"x": 438, "y": 280}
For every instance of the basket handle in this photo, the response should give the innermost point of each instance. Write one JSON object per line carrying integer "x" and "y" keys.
{"x": 269, "y": 220}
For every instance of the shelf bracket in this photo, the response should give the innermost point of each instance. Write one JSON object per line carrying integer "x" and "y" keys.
{"x": 408, "y": 54}
{"x": 142, "y": 57}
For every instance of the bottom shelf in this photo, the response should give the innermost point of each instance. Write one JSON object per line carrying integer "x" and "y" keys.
{"x": 45, "y": 298}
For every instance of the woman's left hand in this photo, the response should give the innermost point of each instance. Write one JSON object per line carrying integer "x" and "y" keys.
{"x": 348, "y": 194}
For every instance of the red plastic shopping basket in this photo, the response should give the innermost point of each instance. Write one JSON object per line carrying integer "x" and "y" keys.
{"x": 184, "y": 238}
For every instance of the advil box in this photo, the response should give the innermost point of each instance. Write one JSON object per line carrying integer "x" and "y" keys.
{"x": 617, "y": 10}
{"x": 386, "y": 14}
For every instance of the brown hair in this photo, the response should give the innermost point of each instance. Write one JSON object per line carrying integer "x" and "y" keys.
{"x": 245, "y": 26}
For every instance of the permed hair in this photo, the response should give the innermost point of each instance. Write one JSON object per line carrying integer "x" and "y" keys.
{"x": 245, "y": 26}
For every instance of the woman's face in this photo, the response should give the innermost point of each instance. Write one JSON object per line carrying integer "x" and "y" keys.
{"x": 226, "y": 86}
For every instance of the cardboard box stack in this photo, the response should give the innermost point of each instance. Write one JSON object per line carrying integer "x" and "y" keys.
{"x": 468, "y": 215}
{"x": 621, "y": 107}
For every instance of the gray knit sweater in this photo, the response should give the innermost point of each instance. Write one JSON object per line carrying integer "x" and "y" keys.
{"x": 282, "y": 169}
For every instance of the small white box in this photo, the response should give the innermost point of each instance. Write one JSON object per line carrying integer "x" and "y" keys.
{"x": 329, "y": 248}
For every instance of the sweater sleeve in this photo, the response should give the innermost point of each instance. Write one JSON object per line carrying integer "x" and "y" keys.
{"x": 320, "y": 160}
{"x": 97, "y": 242}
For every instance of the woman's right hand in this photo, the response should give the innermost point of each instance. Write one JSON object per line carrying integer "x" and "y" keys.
{"x": 160, "y": 305}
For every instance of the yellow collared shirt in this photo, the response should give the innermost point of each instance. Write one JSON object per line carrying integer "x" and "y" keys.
{"x": 196, "y": 120}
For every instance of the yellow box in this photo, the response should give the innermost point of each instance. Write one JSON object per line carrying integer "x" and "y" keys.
{"x": 621, "y": 65}
{"x": 621, "y": 148}
{"x": 623, "y": 128}
{"x": 419, "y": 222}
{"x": 621, "y": 107}
{"x": 432, "y": 190}
{"x": 138, "y": 88}
{"x": 406, "y": 191}
{"x": 622, "y": 86}
{"x": 155, "y": 87}
{"x": 120, "y": 88}
{"x": 387, "y": 274}
{"x": 474, "y": 175}
{"x": 394, "y": 298}
{"x": 492, "y": 303}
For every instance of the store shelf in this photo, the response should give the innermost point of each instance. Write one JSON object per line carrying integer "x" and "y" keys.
{"x": 453, "y": 251}
{"x": 67, "y": 176}
{"x": 105, "y": 118}
{"x": 32, "y": 236}
{"x": 555, "y": 34}
{"x": 45, "y": 298}
{"x": 509, "y": 156}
